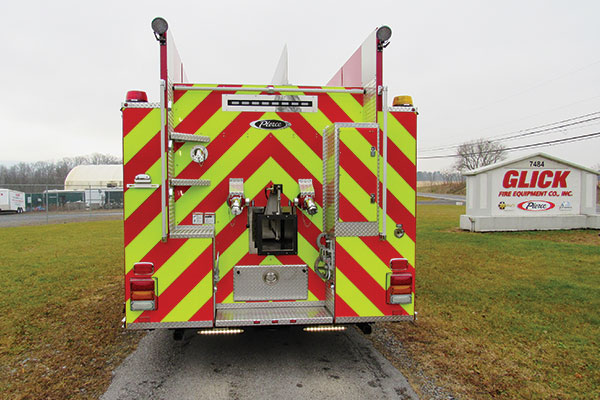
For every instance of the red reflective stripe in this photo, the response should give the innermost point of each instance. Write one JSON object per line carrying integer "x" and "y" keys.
{"x": 407, "y": 120}
{"x": 342, "y": 309}
{"x": 132, "y": 117}
{"x": 182, "y": 285}
{"x": 220, "y": 144}
{"x": 142, "y": 216}
{"x": 363, "y": 281}
{"x": 199, "y": 115}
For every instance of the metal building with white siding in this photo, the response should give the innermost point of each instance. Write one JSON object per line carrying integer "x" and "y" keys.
{"x": 535, "y": 192}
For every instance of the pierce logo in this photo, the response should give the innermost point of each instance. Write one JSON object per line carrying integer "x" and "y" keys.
{"x": 270, "y": 124}
{"x": 536, "y": 205}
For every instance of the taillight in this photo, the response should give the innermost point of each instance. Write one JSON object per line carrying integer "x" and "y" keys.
{"x": 143, "y": 268}
{"x": 141, "y": 284}
{"x": 399, "y": 282}
{"x": 142, "y": 288}
{"x": 401, "y": 279}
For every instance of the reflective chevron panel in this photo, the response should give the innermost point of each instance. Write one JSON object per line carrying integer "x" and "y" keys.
{"x": 194, "y": 275}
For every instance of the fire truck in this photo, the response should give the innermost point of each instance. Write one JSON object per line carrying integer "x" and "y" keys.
{"x": 269, "y": 205}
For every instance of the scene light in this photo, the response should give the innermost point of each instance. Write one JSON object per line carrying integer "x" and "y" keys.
{"x": 325, "y": 328}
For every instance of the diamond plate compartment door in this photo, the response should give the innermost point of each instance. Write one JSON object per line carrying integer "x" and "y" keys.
{"x": 358, "y": 180}
{"x": 270, "y": 282}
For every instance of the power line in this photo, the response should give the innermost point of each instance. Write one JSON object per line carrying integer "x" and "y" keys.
{"x": 535, "y": 86}
{"x": 527, "y": 132}
{"x": 525, "y": 146}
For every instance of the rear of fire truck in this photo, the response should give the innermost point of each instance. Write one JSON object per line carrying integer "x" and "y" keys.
{"x": 250, "y": 205}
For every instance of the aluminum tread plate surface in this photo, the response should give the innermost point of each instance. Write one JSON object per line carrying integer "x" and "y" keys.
{"x": 169, "y": 325}
{"x": 356, "y": 229}
{"x": 188, "y": 137}
{"x": 250, "y": 284}
{"x": 266, "y": 316}
{"x": 190, "y": 182}
{"x": 193, "y": 231}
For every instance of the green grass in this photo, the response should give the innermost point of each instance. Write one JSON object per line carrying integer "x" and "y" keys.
{"x": 60, "y": 309}
{"x": 506, "y": 315}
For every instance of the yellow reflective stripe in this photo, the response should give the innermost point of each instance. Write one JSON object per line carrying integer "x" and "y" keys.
{"x": 356, "y": 196}
{"x": 136, "y": 197}
{"x": 228, "y": 299}
{"x": 131, "y": 316}
{"x": 270, "y": 171}
{"x": 186, "y": 104}
{"x": 401, "y": 190}
{"x": 212, "y": 128}
{"x": 410, "y": 308}
{"x": 404, "y": 245}
{"x": 303, "y": 154}
{"x": 355, "y": 299}
{"x": 143, "y": 132}
{"x": 180, "y": 261}
{"x": 237, "y": 250}
{"x": 217, "y": 172}
{"x": 305, "y": 249}
{"x": 401, "y": 138}
{"x": 143, "y": 243}
{"x": 360, "y": 147}
{"x": 365, "y": 257}
{"x": 195, "y": 299}
{"x": 349, "y": 105}
{"x": 317, "y": 120}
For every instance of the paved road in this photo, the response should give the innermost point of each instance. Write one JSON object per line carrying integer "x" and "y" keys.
{"x": 259, "y": 364}
{"x": 441, "y": 198}
{"x": 453, "y": 198}
{"x": 40, "y": 218}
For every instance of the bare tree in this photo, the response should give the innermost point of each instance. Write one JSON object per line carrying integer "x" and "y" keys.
{"x": 53, "y": 172}
{"x": 478, "y": 153}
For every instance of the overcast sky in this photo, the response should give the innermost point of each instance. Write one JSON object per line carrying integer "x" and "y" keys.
{"x": 474, "y": 68}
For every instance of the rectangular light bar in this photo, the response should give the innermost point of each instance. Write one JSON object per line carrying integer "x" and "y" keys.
{"x": 231, "y": 331}
{"x": 325, "y": 328}
{"x": 269, "y": 103}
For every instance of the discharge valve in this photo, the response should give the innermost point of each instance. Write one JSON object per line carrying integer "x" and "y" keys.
{"x": 236, "y": 199}
{"x": 306, "y": 198}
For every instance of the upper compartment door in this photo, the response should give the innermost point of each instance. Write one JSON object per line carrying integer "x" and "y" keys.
{"x": 351, "y": 179}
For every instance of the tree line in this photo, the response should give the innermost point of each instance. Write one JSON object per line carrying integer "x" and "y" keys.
{"x": 50, "y": 172}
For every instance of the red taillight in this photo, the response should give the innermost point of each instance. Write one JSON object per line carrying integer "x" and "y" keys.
{"x": 401, "y": 279}
{"x": 143, "y": 268}
{"x": 142, "y": 284}
{"x": 399, "y": 264}
{"x": 399, "y": 283}
{"x": 136, "y": 96}
{"x": 143, "y": 294}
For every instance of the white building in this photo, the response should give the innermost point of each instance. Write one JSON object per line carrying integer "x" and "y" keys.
{"x": 95, "y": 176}
{"x": 535, "y": 192}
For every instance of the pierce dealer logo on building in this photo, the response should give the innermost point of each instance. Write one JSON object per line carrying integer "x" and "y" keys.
{"x": 536, "y": 205}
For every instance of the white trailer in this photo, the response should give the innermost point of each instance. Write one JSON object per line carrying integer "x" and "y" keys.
{"x": 12, "y": 200}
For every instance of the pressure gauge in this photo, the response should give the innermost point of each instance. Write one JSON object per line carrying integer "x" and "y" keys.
{"x": 199, "y": 154}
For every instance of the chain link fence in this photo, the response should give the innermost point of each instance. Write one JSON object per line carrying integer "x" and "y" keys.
{"x": 52, "y": 203}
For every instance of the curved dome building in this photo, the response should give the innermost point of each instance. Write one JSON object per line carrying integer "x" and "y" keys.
{"x": 84, "y": 176}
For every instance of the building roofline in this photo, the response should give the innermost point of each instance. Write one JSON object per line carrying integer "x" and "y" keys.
{"x": 539, "y": 154}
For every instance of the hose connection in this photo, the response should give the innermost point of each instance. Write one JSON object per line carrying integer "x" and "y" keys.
{"x": 306, "y": 198}
{"x": 236, "y": 199}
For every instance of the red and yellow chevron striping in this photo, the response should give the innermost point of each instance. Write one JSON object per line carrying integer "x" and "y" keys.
{"x": 195, "y": 276}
